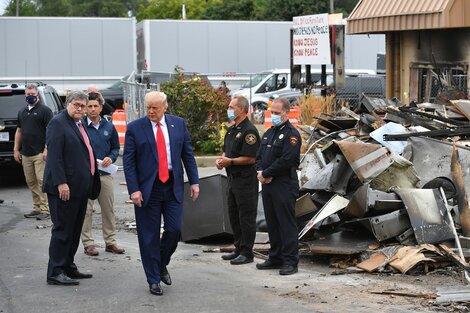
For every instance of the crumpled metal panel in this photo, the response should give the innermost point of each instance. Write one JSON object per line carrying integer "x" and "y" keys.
{"x": 431, "y": 158}
{"x": 390, "y": 129}
{"x": 428, "y": 214}
{"x": 385, "y": 226}
{"x": 366, "y": 160}
{"x": 366, "y": 201}
{"x": 400, "y": 174}
{"x": 309, "y": 168}
{"x": 334, "y": 177}
{"x": 335, "y": 204}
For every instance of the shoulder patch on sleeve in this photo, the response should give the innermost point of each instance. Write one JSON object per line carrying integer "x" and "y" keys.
{"x": 293, "y": 140}
{"x": 250, "y": 139}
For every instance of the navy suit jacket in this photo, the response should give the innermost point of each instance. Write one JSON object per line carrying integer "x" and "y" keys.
{"x": 68, "y": 160}
{"x": 140, "y": 157}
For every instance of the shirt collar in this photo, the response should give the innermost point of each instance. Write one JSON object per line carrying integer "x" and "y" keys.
{"x": 162, "y": 122}
{"x": 90, "y": 122}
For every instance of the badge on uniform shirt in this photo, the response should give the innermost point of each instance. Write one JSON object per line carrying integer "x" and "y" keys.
{"x": 293, "y": 140}
{"x": 281, "y": 136}
{"x": 106, "y": 133}
{"x": 250, "y": 139}
{"x": 238, "y": 135}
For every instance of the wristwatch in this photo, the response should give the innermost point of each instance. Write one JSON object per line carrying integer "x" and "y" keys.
{"x": 231, "y": 162}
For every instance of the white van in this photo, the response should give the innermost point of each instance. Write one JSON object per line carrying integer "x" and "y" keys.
{"x": 263, "y": 85}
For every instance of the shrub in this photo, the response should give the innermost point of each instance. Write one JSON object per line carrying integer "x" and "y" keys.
{"x": 202, "y": 106}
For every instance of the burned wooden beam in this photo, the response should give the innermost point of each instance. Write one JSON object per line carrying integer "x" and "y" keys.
{"x": 435, "y": 117}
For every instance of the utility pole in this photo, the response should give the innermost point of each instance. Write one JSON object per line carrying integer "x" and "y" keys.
{"x": 17, "y": 7}
{"x": 332, "y": 6}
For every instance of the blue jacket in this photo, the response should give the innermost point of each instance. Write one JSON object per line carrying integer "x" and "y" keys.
{"x": 105, "y": 139}
{"x": 140, "y": 157}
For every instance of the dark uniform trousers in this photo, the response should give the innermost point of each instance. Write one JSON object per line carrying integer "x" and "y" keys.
{"x": 155, "y": 252}
{"x": 242, "y": 203}
{"x": 279, "y": 201}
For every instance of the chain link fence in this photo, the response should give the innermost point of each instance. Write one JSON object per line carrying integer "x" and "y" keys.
{"x": 134, "y": 97}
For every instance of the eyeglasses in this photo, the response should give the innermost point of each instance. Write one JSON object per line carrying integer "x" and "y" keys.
{"x": 78, "y": 106}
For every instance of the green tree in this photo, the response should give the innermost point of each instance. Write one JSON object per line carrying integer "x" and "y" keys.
{"x": 172, "y": 9}
{"x": 202, "y": 106}
{"x": 26, "y": 8}
{"x": 230, "y": 10}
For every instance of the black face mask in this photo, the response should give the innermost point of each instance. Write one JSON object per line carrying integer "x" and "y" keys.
{"x": 31, "y": 99}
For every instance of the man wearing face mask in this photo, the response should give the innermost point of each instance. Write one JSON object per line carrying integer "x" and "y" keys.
{"x": 241, "y": 143}
{"x": 30, "y": 148}
{"x": 276, "y": 162}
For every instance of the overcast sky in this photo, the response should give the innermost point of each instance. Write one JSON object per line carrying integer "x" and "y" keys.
{"x": 3, "y": 4}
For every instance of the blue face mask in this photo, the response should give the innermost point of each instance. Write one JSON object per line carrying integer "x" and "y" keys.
{"x": 276, "y": 120}
{"x": 31, "y": 99}
{"x": 231, "y": 114}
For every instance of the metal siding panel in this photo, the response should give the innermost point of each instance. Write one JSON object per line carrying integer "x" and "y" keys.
{"x": 85, "y": 57}
{"x": 163, "y": 51}
{"x": 118, "y": 40}
{"x": 222, "y": 48}
{"x": 193, "y": 38}
{"x": 54, "y": 48}
{"x": 278, "y": 45}
{"x": 252, "y": 47}
{"x": 3, "y": 48}
{"x": 21, "y": 52}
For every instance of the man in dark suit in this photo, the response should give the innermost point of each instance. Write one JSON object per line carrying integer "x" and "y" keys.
{"x": 156, "y": 148}
{"x": 70, "y": 178}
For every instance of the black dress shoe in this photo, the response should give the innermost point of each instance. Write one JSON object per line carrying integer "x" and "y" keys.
{"x": 241, "y": 259}
{"x": 78, "y": 275}
{"x": 165, "y": 276}
{"x": 62, "y": 280}
{"x": 268, "y": 265}
{"x": 288, "y": 270}
{"x": 156, "y": 289}
{"x": 230, "y": 256}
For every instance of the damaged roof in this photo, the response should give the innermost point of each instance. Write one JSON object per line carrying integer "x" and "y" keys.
{"x": 379, "y": 16}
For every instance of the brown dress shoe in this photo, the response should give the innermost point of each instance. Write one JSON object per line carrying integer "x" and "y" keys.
{"x": 114, "y": 249}
{"x": 32, "y": 214}
{"x": 91, "y": 251}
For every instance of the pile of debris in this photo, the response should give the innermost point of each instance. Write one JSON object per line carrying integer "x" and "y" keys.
{"x": 388, "y": 183}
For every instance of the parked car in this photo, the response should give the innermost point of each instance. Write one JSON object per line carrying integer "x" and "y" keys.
{"x": 261, "y": 106}
{"x": 12, "y": 99}
{"x": 354, "y": 87}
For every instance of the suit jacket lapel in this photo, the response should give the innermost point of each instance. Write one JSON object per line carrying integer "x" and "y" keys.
{"x": 148, "y": 130}
{"x": 74, "y": 126}
{"x": 171, "y": 130}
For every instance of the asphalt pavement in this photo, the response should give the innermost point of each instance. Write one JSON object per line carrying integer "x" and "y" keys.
{"x": 202, "y": 282}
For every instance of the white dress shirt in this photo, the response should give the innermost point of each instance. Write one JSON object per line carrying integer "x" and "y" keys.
{"x": 167, "y": 138}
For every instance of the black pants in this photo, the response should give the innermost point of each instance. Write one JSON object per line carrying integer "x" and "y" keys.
{"x": 279, "y": 208}
{"x": 242, "y": 203}
{"x": 67, "y": 218}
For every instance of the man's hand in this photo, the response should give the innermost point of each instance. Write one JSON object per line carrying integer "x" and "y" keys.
{"x": 136, "y": 198}
{"x": 44, "y": 155}
{"x": 64, "y": 192}
{"x": 194, "y": 191}
{"x": 106, "y": 162}
{"x": 223, "y": 161}
{"x": 262, "y": 179}
{"x": 17, "y": 156}
{"x": 217, "y": 163}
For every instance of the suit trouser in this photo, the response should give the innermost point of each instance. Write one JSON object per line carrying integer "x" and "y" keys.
{"x": 106, "y": 201}
{"x": 33, "y": 167}
{"x": 242, "y": 201}
{"x": 67, "y": 218}
{"x": 155, "y": 252}
{"x": 279, "y": 209}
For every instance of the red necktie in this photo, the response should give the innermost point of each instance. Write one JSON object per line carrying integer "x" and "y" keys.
{"x": 162, "y": 160}
{"x": 90, "y": 150}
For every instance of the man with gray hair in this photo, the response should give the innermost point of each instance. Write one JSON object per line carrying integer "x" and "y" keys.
{"x": 30, "y": 148}
{"x": 70, "y": 178}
